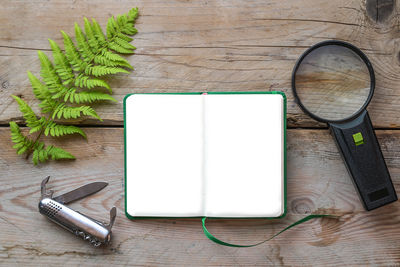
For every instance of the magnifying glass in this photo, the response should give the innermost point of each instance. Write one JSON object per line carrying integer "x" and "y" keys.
{"x": 333, "y": 82}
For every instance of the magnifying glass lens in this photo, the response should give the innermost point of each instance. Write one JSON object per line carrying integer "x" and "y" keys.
{"x": 332, "y": 82}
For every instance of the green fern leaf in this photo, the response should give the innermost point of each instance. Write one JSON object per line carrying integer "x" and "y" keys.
{"x": 48, "y": 105}
{"x": 39, "y": 126}
{"x": 129, "y": 29}
{"x": 102, "y": 60}
{"x": 90, "y": 35}
{"x": 66, "y": 112}
{"x": 123, "y": 43}
{"x": 38, "y": 153}
{"x": 67, "y": 82}
{"x": 123, "y": 24}
{"x": 72, "y": 53}
{"x": 62, "y": 66}
{"x": 84, "y": 81}
{"x": 41, "y": 154}
{"x": 56, "y": 130}
{"x": 21, "y": 150}
{"x": 87, "y": 97}
{"x": 132, "y": 15}
{"x": 49, "y": 74}
{"x": 118, "y": 48}
{"x": 84, "y": 48}
{"x": 103, "y": 70}
{"x": 42, "y": 93}
{"x": 112, "y": 56}
{"x": 111, "y": 28}
{"x": 70, "y": 95}
{"x": 30, "y": 117}
{"x": 40, "y": 90}
{"x": 22, "y": 143}
{"x": 124, "y": 37}
{"x": 57, "y": 153}
{"x": 98, "y": 32}
{"x": 60, "y": 93}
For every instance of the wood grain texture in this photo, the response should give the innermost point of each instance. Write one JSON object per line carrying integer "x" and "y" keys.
{"x": 317, "y": 182}
{"x": 208, "y": 46}
{"x": 205, "y": 45}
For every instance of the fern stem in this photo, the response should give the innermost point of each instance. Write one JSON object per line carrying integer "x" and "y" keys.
{"x": 30, "y": 149}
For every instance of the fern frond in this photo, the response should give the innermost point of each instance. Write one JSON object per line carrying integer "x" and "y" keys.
{"x": 36, "y": 151}
{"x": 56, "y": 130}
{"x": 102, "y": 60}
{"x": 48, "y": 105}
{"x": 111, "y": 28}
{"x": 89, "y": 82}
{"x": 57, "y": 153}
{"x": 118, "y": 48}
{"x": 67, "y": 82}
{"x": 124, "y": 37}
{"x": 40, "y": 90}
{"x": 84, "y": 48}
{"x": 42, "y": 93}
{"x": 60, "y": 93}
{"x": 49, "y": 74}
{"x": 66, "y": 112}
{"x": 30, "y": 117}
{"x": 22, "y": 143}
{"x": 39, "y": 126}
{"x": 90, "y": 35}
{"x": 123, "y": 43}
{"x": 118, "y": 29}
{"x": 126, "y": 25}
{"x": 87, "y": 97}
{"x": 112, "y": 56}
{"x": 72, "y": 54}
{"x": 43, "y": 154}
{"x": 98, "y": 32}
{"x": 62, "y": 66}
{"x": 129, "y": 29}
{"x": 103, "y": 70}
{"x": 133, "y": 14}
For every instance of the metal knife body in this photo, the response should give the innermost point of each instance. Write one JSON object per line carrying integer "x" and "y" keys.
{"x": 97, "y": 233}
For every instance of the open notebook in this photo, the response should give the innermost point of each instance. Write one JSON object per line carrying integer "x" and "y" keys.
{"x": 215, "y": 155}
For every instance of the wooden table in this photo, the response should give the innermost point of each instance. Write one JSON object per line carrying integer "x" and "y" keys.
{"x": 203, "y": 45}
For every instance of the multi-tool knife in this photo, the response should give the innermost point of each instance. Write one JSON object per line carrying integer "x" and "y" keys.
{"x": 97, "y": 233}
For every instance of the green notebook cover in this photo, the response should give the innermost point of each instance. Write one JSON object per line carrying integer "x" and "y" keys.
{"x": 209, "y": 93}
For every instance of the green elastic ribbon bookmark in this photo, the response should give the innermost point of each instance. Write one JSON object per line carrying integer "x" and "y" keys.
{"x": 218, "y": 241}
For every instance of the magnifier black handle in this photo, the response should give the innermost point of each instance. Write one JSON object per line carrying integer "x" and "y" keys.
{"x": 364, "y": 160}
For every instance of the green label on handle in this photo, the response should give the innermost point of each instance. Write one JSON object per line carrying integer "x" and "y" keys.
{"x": 358, "y": 139}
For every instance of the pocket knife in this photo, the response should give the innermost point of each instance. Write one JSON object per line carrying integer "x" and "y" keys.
{"x": 96, "y": 232}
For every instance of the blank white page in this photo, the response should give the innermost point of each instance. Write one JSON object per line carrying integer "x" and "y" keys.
{"x": 244, "y": 155}
{"x": 164, "y": 155}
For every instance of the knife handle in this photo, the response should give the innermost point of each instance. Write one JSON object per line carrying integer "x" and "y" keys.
{"x": 89, "y": 229}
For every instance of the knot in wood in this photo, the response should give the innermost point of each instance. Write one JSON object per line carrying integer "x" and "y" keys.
{"x": 302, "y": 205}
{"x": 380, "y": 11}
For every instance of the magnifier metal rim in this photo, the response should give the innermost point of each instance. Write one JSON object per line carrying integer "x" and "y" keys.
{"x": 338, "y": 43}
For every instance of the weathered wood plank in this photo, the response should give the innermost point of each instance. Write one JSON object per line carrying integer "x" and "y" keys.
{"x": 317, "y": 182}
{"x": 207, "y": 46}
{"x": 197, "y": 46}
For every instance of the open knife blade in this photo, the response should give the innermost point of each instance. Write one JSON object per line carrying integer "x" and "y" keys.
{"x": 80, "y": 192}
